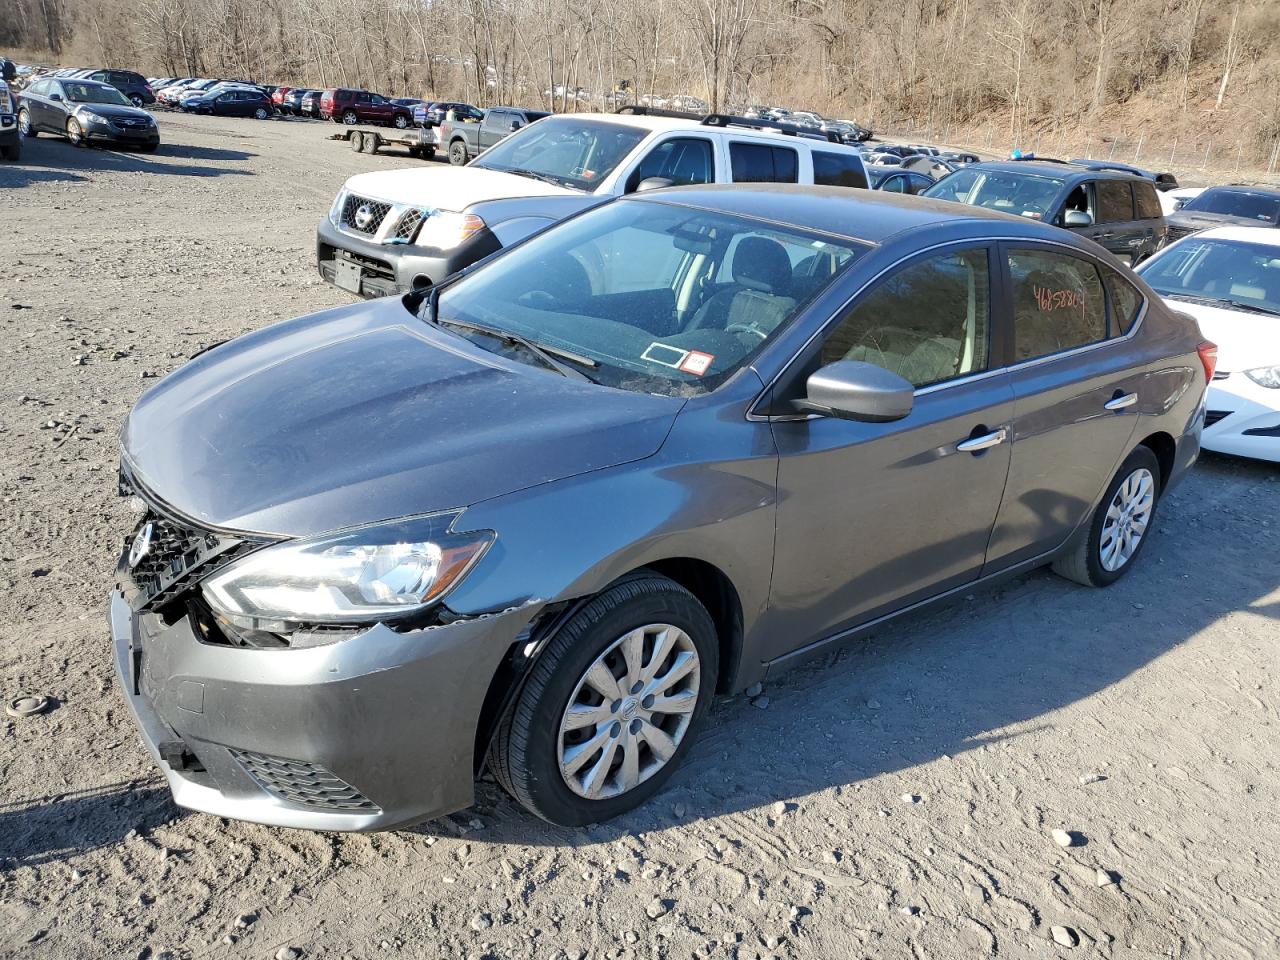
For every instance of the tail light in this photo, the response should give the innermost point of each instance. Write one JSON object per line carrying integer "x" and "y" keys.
{"x": 1209, "y": 358}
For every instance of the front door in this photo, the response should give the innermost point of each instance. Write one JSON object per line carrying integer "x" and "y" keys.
{"x": 1076, "y": 399}
{"x": 875, "y": 516}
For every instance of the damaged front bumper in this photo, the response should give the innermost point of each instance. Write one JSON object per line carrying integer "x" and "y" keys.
{"x": 371, "y": 732}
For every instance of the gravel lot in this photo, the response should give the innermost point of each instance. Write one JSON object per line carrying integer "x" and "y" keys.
{"x": 895, "y": 800}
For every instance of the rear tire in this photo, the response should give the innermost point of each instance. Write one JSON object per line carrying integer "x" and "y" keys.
{"x": 371, "y": 143}
{"x": 1105, "y": 550}
{"x": 349, "y": 118}
{"x": 261, "y": 113}
{"x": 532, "y": 738}
{"x": 357, "y": 141}
{"x": 458, "y": 153}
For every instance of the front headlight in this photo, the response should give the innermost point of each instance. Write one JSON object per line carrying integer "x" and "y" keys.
{"x": 1265, "y": 377}
{"x": 93, "y": 117}
{"x": 445, "y": 230}
{"x": 335, "y": 208}
{"x": 373, "y": 573}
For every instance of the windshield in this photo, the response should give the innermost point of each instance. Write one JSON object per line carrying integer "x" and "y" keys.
{"x": 1226, "y": 271}
{"x": 92, "y": 93}
{"x": 1237, "y": 203}
{"x": 570, "y": 151}
{"x": 1023, "y": 194}
{"x": 648, "y": 296}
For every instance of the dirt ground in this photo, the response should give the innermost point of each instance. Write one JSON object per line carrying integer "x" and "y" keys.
{"x": 895, "y": 800}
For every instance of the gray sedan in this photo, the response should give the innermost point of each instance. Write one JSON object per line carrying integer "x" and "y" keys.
{"x": 539, "y": 517}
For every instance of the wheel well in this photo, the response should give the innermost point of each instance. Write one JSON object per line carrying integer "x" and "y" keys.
{"x": 1162, "y": 445}
{"x": 716, "y": 592}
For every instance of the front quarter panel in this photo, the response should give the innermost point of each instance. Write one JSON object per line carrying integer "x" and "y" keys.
{"x": 708, "y": 494}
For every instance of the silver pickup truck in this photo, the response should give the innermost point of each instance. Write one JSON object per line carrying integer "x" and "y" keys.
{"x": 391, "y": 231}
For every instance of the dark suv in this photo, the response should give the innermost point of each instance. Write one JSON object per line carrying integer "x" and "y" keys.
{"x": 360, "y": 106}
{"x": 1118, "y": 210}
{"x": 132, "y": 85}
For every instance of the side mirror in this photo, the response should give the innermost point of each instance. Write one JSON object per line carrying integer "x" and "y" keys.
{"x": 56, "y": 96}
{"x": 1076, "y": 218}
{"x": 853, "y": 390}
{"x": 654, "y": 183}
{"x": 1179, "y": 203}
{"x": 515, "y": 125}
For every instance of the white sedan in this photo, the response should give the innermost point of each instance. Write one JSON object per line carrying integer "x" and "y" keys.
{"x": 1228, "y": 278}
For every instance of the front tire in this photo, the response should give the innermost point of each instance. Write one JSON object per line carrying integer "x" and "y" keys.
{"x": 75, "y": 133}
{"x": 401, "y": 122}
{"x": 612, "y": 706}
{"x": 24, "y": 124}
{"x": 1120, "y": 526}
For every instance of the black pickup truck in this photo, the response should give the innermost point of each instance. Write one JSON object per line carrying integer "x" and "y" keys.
{"x": 10, "y": 137}
{"x": 466, "y": 140}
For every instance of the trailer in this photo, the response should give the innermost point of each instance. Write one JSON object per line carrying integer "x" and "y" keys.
{"x": 421, "y": 142}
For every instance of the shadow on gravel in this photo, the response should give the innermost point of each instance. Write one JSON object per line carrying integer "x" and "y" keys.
{"x": 49, "y": 159}
{"x": 940, "y": 683}
{"x": 49, "y": 829}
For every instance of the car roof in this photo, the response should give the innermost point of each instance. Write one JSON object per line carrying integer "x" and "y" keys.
{"x": 867, "y": 215}
{"x": 660, "y": 124}
{"x": 1244, "y": 188}
{"x": 1052, "y": 168}
{"x": 1265, "y": 235}
{"x": 87, "y": 83}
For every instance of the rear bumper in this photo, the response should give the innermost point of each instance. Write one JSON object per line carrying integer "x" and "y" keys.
{"x": 369, "y": 733}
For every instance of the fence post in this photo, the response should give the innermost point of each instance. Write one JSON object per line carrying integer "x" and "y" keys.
{"x": 1172, "y": 151}
{"x": 1205, "y": 165}
{"x": 1112, "y": 155}
{"x": 1138, "y": 152}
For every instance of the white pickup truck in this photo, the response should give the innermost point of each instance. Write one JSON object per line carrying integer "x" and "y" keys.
{"x": 389, "y": 232}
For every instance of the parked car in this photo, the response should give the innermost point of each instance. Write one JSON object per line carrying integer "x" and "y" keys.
{"x": 85, "y": 112}
{"x": 1228, "y": 278}
{"x": 960, "y": 158}
{"x": 462, "y": 141}
{"x": 1226, "y": 206}
{"x": 233, "y": 101}
{"x": 846, "y": 130}
{"x": 10, "y": 134}
{"x": 1117, "y": 210}
{"x": 433, "y": 114}
{"x": 558, "y": 586}
{"x": 1171, "y": 201}
{"x": 277, "y": 95}
{"x": 132, "y": 85}
{"x": 898, "y": 180}
{"x": 309, "y": 105}
{"x": 393, "y": 230}
{"x": 360, "y": 106}
{"x": 172, "y": 96}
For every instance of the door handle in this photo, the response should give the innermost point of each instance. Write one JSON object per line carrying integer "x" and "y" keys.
{"x": 1120, "y": 402}
{"x": 984, "y": 442}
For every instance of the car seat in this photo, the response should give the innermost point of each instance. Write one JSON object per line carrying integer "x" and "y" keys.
{"x": 759, "y": 296}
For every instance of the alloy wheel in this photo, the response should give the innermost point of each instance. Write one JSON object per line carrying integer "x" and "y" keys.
{"x": 629, "y": 711}
{"x": 350, "y": 118}
{"x": 260, "y": 113}
{"x": 401, "y": 121}
{"x": 24, "y": 123}
{"x": 1126, "y": 520}
{"x": 74, "y": 133}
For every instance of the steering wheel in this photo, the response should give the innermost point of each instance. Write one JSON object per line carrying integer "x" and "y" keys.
{"x": 747, "y": 328}
{"x": 538, "y": 300}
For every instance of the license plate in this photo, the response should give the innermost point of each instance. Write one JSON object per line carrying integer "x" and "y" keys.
{"x": 347, "y": 275}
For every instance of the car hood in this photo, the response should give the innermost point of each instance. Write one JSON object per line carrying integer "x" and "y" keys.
{"x": 1245, "y": 340}
{"x": 113, "y": 110}
{"x": 1190, "y": 221}
{"x": 450, "y": 188}
{"x": 365, "y": 413}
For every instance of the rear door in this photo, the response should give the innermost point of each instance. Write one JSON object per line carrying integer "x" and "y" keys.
{"x": 1113, "y": 222}
{"x": 1077, "y": 389}
{"x": 1149, "y": 217}
{"x": 753, "y": 162}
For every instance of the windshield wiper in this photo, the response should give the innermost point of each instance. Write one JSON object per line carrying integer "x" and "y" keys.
{"x": 535, "y": 175}
{"x": 549, "y": 356}
{"x": 1225, "y": 302}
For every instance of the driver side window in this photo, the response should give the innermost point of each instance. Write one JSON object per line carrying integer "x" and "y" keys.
{"x": 682, "y": 160}
{"x": 929, "y": 322}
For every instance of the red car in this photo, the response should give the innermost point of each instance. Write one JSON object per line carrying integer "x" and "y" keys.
{"x": 360, "y": 106}
{"x": 277, "y": 95}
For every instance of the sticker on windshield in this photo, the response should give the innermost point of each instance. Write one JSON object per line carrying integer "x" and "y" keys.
{"x": 664, "y": 354}
{"x": 697, "y": 362}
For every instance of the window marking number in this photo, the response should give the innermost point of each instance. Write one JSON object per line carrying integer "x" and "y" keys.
{"x": 1057, "y": 299}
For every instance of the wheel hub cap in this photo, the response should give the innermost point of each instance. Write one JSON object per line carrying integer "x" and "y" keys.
{"x": 629, "y": 712}
{"x": 1126, "y": 520}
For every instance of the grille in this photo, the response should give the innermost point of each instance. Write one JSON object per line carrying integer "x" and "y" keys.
{"x": 130, "y": 123}
{"x": 178, "y": 554}
{"x": 407, "y": 225}
{"x": 1213, "y": 416}
{"x": 300, "y": 782}
{"x": 378, "y": 209}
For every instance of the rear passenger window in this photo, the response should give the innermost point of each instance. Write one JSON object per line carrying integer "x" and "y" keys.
{"x": 1058, "y": 303}
{"x": 1125, "y": 301}
{"x": 1146, "y": 203}
{"x": 761, "y": 163}
{"x": 837, "y": 170}
{"x": 1115, "y": 201}
{"x": 927, "y": 323}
